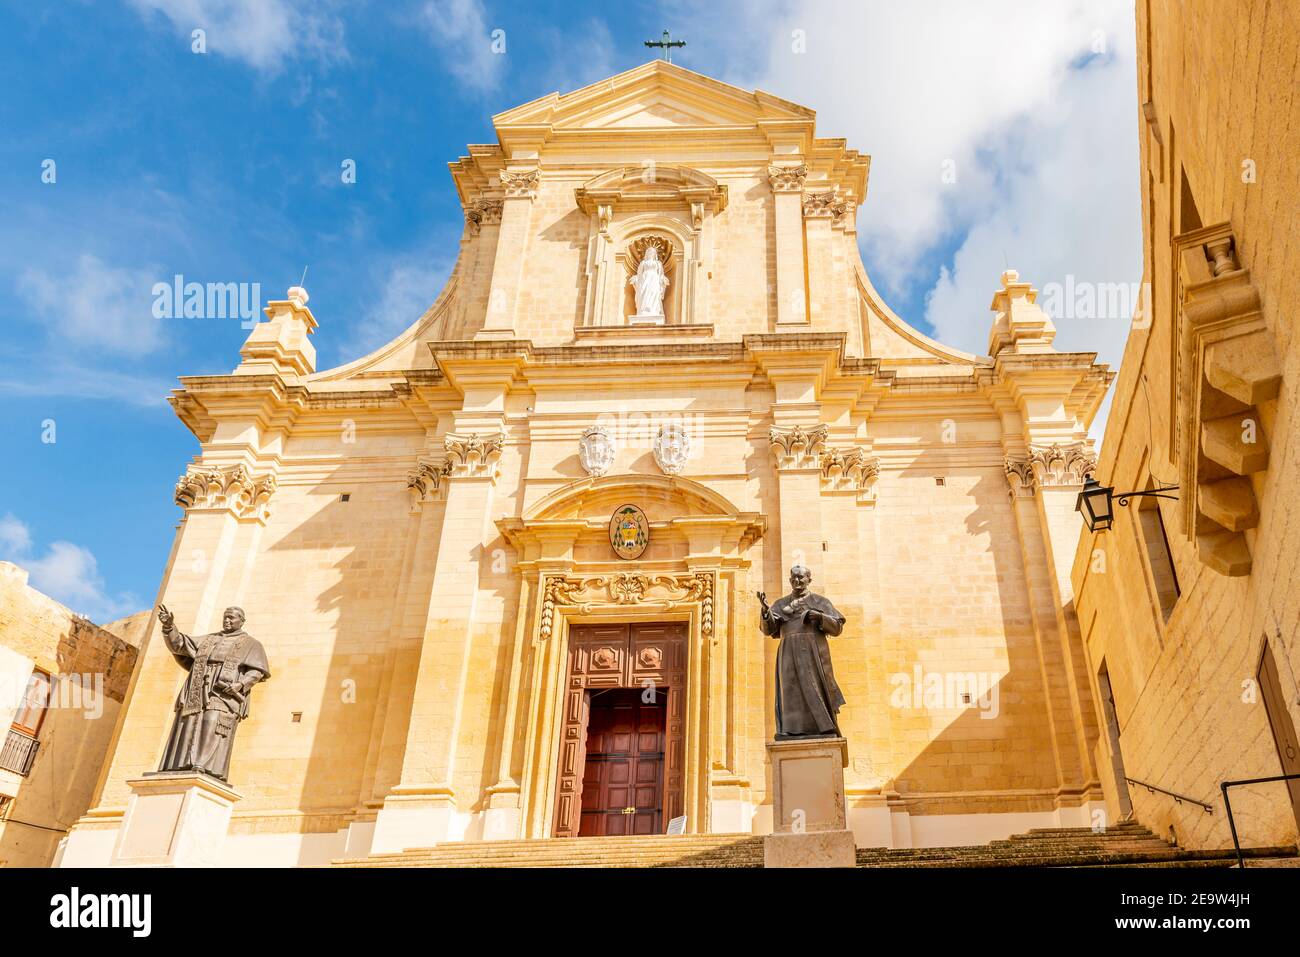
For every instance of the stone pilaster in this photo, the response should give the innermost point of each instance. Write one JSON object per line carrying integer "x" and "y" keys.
{"x": 1044, "y": 484}
{"x": 791, "y": 291}
{"x": 423, "y": 807}
{"x": 819, "y": 213}
{"x": 520, "y": 188}
{"x": 797, "y": 452}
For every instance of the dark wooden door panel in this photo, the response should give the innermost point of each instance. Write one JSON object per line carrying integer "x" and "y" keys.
{"x": 622, "y": 782}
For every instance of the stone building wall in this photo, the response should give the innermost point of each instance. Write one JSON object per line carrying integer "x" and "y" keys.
{"x": 1219, "y": 138}
{"x": 91, "y": 667}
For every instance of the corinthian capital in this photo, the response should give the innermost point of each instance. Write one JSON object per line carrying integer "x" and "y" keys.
{"x": 849, "y": 468}
{"x": 426, "y": 480}
{"x": 483, "y": 212}
{"x": 230, "y": 487}
{"x": 1062, "y": 465}
{"x": 472, "y": 455}
{"x": 823, "y": 205}
{"x": 521, "y": 183}
{"x": 797, "y": 447}
{"x": 787, "y": 179}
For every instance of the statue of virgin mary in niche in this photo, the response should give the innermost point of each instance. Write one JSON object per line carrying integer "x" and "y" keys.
{"x": 650, "y": 284}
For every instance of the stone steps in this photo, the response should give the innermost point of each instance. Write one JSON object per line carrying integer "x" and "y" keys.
{"x": 1125, "y": 845}
{"x": 702, "y": 850}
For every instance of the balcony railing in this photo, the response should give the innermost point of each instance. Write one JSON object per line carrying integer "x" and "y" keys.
{"x": 19, "y": 752}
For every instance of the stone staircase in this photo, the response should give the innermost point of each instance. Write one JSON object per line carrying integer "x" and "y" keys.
{"x": 660, "y": 850}
{"x": 1125, "y": 845}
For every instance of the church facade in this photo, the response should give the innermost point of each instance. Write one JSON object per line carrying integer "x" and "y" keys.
{"x": 505, "y": 567}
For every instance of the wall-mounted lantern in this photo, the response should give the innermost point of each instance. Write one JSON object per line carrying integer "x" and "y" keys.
{"x": 1096, "y": 502}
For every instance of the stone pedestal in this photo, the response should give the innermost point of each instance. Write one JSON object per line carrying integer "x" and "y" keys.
{"x": 175, "y": 819}
{"x": 810, "y": 828}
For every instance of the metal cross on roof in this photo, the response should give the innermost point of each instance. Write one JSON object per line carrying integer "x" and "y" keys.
{"x": 666, "y": 43}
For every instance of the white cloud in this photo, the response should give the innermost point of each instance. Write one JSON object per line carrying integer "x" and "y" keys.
{"x": 14, "y": 537}
{"x": 460, "y": 31}
{"x": 262, "y": 33}
{"x": 1072, "y": 213}
{"x": 68, "y": 573}
{"x": 1033, "y": 104}
{"x": 917, "y": 85}
{"x": 95, "y": 306}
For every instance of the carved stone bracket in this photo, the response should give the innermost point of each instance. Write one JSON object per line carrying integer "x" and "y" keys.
{"x": 1050, "y": 466}
{"x": 850, "y": 469}
{"x": 1227, "y": 367}
{"x": 520, "y": 184}
{"x": 472, "y": 455}
{"x": 231, "y": 487}
{"x": 787, "y": 179}
{"x": 797, "y": 447}
{"x": 627, "y": 588}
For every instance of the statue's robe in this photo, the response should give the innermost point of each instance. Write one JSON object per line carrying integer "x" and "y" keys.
{"x": 650, "y": 285}
{"x": 807, "y": 697}
{"x": 206, "y": 718}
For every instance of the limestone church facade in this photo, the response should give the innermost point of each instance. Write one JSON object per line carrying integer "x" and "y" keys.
{"x": 504, "y": 567}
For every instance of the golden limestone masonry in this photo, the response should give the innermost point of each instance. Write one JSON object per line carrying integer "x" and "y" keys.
{"x": 1189, "y": 606}
{"x": 504, "y": 568}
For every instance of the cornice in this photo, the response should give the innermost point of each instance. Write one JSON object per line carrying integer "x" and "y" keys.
{"x": 272, "y": 402}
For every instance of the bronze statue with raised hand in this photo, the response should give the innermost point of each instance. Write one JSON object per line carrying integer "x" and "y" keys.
{"x": 223, "y": 668}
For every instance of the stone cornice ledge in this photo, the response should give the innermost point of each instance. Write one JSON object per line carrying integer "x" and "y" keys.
{"x": 649, "y": 333}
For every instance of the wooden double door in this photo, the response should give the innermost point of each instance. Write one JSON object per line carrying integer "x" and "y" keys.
{"x": 620, "y": 759}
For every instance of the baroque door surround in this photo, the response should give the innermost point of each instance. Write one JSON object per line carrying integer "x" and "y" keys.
{"x": 694, "y": 591}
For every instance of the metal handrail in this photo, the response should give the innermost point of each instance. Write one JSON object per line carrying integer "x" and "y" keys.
{"x": 1180, "y": 798}
{"x": 1241, "y": 861}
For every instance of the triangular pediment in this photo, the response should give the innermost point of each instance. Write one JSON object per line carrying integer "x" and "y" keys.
{"x": 660, "y": 113}
{"x": 656, "y": 95}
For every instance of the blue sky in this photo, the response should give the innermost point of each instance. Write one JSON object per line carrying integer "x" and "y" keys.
{"x": 224, "y": 166}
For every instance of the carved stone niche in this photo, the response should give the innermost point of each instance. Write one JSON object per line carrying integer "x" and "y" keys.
{"x": 632, "y": 206}
{"x": 1226, "y": 367}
